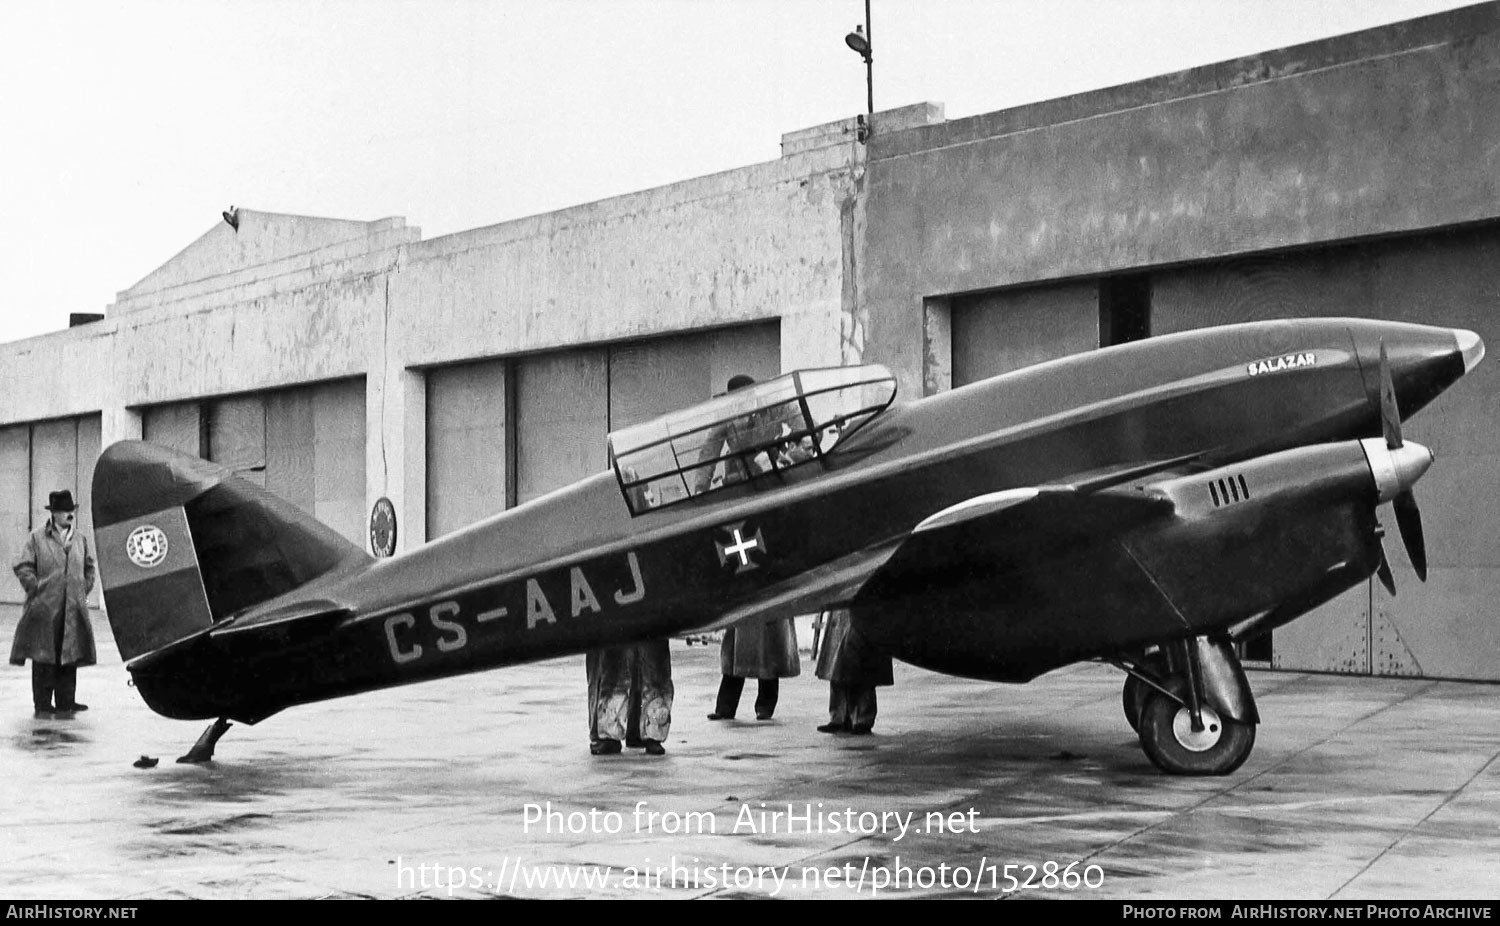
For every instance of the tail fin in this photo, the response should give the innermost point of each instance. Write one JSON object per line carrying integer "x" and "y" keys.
{"x": 184, "y": 543}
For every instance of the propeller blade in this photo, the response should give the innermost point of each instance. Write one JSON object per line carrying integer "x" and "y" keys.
{"x": 1390, "y": 415}
{"x": 1409, "y": 521}
{"x": 1384, "y": 571}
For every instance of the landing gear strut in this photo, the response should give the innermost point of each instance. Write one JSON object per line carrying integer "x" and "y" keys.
{"x": 1203, "y": 722}
{"x": 203, "y": 750}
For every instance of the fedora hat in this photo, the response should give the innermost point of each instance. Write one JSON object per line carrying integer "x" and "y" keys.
{"x": 61, "y": 500}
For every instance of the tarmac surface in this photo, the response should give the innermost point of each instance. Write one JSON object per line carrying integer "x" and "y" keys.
{"x": 1358, "y": 789}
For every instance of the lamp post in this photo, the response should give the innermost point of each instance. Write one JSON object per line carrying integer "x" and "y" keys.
{"x": 859, "y": 40}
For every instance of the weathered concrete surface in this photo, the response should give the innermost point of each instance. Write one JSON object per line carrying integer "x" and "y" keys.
{"x": 273, "y": 250}
{"x": 751, "y": 244}
{"x": 1358, "y": 789}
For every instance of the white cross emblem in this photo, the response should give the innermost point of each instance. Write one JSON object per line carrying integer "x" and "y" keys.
{"x": 738, "y": 551}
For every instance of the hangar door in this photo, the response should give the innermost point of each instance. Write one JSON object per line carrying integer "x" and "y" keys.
{"x": 999, "y": 332}
{"x": 35, "y": 460}
{"x": 306, "y": 444}
{"x": 503, "y": 432}
{"x": 1444, "y": 627}
{"x": 563, "y": 414}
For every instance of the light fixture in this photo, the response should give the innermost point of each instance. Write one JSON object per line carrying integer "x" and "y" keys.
{"x": 859, "y": 41}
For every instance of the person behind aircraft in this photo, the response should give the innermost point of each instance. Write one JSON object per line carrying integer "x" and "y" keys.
{"x": 765, "y": 652}
{"x": 852, "y": 671}
{"x": 630, "y": 697}
{"x": 630, "y": 687}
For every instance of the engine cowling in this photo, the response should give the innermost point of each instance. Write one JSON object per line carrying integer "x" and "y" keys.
{"x": 1259, "y": 543}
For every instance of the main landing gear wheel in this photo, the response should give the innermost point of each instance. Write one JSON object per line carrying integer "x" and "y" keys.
{"x": 1171, "y": 743}
{"x": 1132, "y": 698}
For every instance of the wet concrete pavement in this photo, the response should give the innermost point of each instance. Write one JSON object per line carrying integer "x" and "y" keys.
{"x": 1358, "y": 789}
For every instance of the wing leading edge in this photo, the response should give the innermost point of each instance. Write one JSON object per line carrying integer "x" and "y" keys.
{"x": 1008, "y": 530}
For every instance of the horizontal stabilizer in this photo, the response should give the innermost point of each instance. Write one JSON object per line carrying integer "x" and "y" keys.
{"x": 314, "y": 616}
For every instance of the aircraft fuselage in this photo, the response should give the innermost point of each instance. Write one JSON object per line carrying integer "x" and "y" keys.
{"x": 574, "y": 570}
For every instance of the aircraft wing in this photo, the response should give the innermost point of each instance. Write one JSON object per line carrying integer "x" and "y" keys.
{"x": 811, "y": 592}
{"x": 1112, "y": 476}
{"x": 985, "y": 532}
{"x": 1009, "y": 532}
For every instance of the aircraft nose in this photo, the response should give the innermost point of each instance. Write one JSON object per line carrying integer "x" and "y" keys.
{"x": 1471, "y": 346}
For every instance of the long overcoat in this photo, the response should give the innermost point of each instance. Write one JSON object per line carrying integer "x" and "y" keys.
{"x": 844, "y": 658}
{"x": 57, "y": 578}
{"x": 757, "y": 650}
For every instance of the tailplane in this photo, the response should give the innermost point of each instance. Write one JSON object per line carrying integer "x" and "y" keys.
{"x": 184, "y": 544}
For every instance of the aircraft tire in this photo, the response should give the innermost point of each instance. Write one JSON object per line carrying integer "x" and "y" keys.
{"x": 1171, "y": 745}
{"x": 1133, "y": 698}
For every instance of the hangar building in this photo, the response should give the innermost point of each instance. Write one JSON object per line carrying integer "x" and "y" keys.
{"x": 338, "y": 362}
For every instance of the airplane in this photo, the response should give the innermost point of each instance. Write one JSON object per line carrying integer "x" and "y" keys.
{"x": 1150, "y": 505}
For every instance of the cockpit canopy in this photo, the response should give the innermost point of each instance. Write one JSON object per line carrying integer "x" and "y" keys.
{"x": 752, "y": 433}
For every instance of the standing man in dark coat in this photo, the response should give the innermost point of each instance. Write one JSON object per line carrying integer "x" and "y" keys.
{"x": 852, "y": 671}
{"x": 56, "y": 568}
{"x": 763, "y": 651}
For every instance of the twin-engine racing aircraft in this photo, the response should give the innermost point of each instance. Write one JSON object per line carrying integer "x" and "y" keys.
{"x": 1150, "y": 505}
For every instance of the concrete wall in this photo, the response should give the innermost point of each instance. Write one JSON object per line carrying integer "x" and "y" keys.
{"x": 289, "y": 300}
{"x": 753, "y": 244}
{"x": 1381, "y": 132}
{"x": 263, "y": 246}
{"x": 746, "y": 245}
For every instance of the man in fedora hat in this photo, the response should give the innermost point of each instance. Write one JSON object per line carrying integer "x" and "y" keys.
{"x": 56, "y": 568}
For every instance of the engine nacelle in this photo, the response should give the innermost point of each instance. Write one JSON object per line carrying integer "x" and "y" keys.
{"x": 1264, "y": 540}
{"x": 1273, "y": 537}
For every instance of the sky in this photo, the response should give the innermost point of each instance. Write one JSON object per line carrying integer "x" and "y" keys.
{"x": 128, "y": 126}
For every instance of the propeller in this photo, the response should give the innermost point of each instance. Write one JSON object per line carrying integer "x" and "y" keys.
{"x": 1408, "y": 517}
{"x": 1384, "y": 571}
{"x": 1390, "y": 415}
{"x": 1409, "y": 523}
